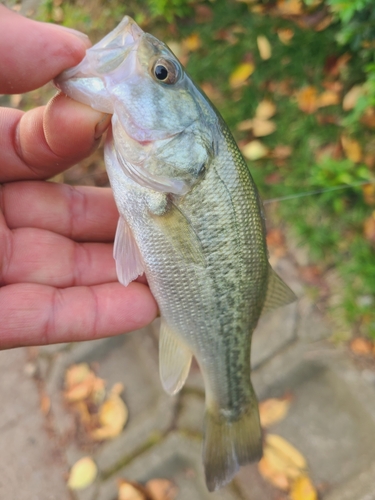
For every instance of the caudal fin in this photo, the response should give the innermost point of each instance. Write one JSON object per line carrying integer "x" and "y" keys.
{"x": 228, "y": 444}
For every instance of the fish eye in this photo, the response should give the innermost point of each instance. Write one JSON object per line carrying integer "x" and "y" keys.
{"x": 166, "y": 71}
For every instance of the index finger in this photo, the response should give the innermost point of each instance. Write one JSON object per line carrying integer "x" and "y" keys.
{"x": 32, "y": 53}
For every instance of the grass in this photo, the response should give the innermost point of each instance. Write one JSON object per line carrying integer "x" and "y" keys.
{"x": 330, "y": 224}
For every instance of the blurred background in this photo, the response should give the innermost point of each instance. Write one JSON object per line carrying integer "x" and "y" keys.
{"x": 295, "y": 82}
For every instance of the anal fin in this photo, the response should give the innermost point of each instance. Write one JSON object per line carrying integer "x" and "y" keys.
{"x": 278, "y": 293}
{"x": 174, "y": 360}
{"x": 129, "y": 264}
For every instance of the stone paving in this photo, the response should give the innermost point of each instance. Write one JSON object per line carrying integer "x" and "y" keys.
{"x": 331, "y": 419}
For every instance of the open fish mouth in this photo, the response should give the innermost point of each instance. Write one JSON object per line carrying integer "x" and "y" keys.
{"x": 88, "y": 82}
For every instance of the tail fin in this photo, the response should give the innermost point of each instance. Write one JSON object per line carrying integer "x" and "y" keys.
{"x": 229, "y": 444}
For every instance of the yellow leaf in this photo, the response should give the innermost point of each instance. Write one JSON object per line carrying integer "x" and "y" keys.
{"x": 290, "y": 7}
{"x": 131, "y": 491}
{"x": 245, "y": 125}
{"x": 273, "y": 410}
{"x": 351, "y": 97}
{"x": 192, "y": 42}
{"x": 303, "y": 489}
{"x": 328, "y": 98}
{"x": 262, "y": 128}
{"x": 285, "y": 454}
{"x": 352, "y": 148}
{"x": 273, "y": 476}
{"x": 161, "y": 489}
{"x": 265, "y": 109}
{"x": 113, "y": 415}
{"x": 76, "y": 374}
{"x": 82, "y": 474}
{"x": 241, "y": 74}
{"x": 285, "y": 35}
{"x": 264, "y": 47}
{"x": 254, "y": 150}
{"x": 80, "y": 391}
{"x": 307, "y": 99}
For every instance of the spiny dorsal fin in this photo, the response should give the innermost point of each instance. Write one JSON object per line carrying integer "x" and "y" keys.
{"x": 180, "y": 233}
{"x": 278, "y": 293}
{"x": 129, "y": 264}
{"x": 174, "y": 360}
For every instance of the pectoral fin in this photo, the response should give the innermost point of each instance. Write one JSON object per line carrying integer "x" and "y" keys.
{"x": 278, "y": 293}
{"x": 129, "y": 264}
{"x": 174, "y": 360}
{"x": 180, "y": 233}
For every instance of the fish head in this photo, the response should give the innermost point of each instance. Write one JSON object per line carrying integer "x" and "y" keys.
{"x": 162, "y": 122}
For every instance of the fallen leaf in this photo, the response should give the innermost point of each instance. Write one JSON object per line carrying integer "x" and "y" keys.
{"x": 82, "y": 474}
{"x": 351, "y": 97}
{"x": 331, "y": 150}
{"x": 76, "y": 374}
{"x": 275, "y": 477}
{"x": 254, "y": 150}
{"x": 328, "y": 98}
{"x": 290, "y": 7}
{"x": 285, "y": 35}
{"x": 324, "y": 23}
{"x": 161, "y": 489}
{"x": 264, "y": 47}
{"x": 361, "y": 346}
{"x": 45, "y": 404}
{"x": 81, "y": 390}
{"x": 241, "y": 74}
{"x": 192, "y": 42}
{"x": 203, "y": 13}
{"x": 307, "y": 99}
{"x": 369, "y": 193}
{"x": 211, "y": 91}
{"x": 273, "y": 410}
{"x": 128, "y": 490}
{"x": 352, "y": 148}
{"x": 334, "y": 64}
{"x": 265, "y": 109}
{"x": 113, "y": 415}
{"x": 282, "y": 152}
{"x": 283, "y": 457}
{"x": 245, "y": 125}
{"x": 303, "y": 489}
{"x": 368, "y": 118}
{"x": 262, "y": 128}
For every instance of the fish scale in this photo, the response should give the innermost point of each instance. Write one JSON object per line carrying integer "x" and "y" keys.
{"x": 191, "y": 220}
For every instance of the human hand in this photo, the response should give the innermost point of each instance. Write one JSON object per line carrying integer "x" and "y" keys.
{"x": 57, "y": 275}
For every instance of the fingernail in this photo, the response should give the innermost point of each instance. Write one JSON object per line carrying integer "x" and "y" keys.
{"x": 102, "y": 125}
{"x": 76, "y": 33}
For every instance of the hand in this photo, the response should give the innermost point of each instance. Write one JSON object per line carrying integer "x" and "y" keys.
{"x": 57, "y": 275}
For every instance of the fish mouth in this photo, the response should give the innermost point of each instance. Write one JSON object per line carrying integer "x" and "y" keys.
{"x": 87, "y": 82}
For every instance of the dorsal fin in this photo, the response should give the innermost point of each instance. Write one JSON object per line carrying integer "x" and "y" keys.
{"x": 278, "y": 293}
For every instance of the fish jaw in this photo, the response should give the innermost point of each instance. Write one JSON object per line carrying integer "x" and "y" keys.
{"x": 89, "y": 81}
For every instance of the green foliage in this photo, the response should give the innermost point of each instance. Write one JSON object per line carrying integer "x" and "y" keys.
{"x": 169, "y": 9}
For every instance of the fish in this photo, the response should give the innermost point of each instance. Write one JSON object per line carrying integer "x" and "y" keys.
{"x": 191, "y": 220}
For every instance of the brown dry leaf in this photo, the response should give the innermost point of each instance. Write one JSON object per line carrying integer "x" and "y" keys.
{"x": 369, "y": 193}
{"x": 82, "y": 474}
{"x": 352, "y": 148}
{"x": 276, "y": 478}
{"x": 285, "y": 35}
{"x": 113, "y": 415}
{"x": 368, "y": 118}
{"x": 290, "y": 7}
{"x": 254, "y": 150}
{"x": 361, "y": 346}
{"x": 241, "y": 74}
{"x": 265, "y": 109}
{"x": 303, "y": 489}
{"x": 203, "y": 13}
{"x": 45, "y": 404}
{"x": 307, "y": 99}
{"x": 128, "y": 490}
{"x": 328, "y": 98}
{"x": 331, "y": 150}
{"x": 161, "y": 489}
{"x": 262, "y": 128}
{"x": 334, "y": 65}
{"x": 192, "y": 42}
{"x": 282, "y": 152}
{"x": 351, "y": 97}
{"x": 273, "y": 410}
{"x": 324, "y": 23}
{"x": 245, "y": 125}
{"x": 211, "y": 91}
{"x": 264, "y": 47}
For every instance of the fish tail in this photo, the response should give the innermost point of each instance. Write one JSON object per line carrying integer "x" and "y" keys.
{"x": 229, "y": 443}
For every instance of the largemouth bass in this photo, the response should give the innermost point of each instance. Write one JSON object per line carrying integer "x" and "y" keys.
{"x": 191, "y": 220}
